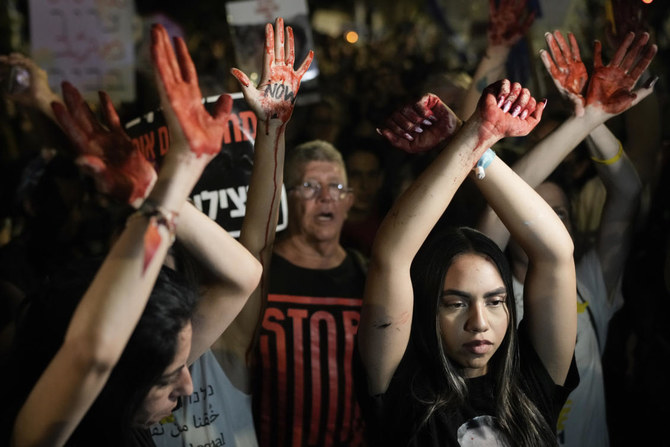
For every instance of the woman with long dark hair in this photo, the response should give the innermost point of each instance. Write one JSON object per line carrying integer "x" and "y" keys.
{"x": 120, "y": 354}
{"x": 443, "y": 362}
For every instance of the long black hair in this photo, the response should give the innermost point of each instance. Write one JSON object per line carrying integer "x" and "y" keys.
{"x": 150, "y": 350}
{"x": 517, "y": 417}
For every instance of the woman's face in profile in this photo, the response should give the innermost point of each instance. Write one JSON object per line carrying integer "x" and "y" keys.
{"x": 175, "y": 382}
{"x": 473, "y": 313}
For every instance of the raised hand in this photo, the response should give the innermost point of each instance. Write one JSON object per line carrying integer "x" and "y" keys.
{"x": 627, "y": 17}
{"x": 507, "y": 110}
{"x": 181, "y": 98}
{"x": 508, "y": 22}
{"x": 106, "y": 153}
{"x": 610, "y": 88}
{"x": 421, "y": 126}
{"x": 37, "y": 94}
{"x": 275, "y": 95}
{"x": 566, "y": 68}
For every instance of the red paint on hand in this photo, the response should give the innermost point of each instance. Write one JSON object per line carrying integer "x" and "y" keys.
{"x": 422, "y": 126}
{"x": 611, "y": 85}
{"x": 628, "y": 17}
{"x": 275, "y": 96}
{"x": 566, "y": 68}
{"x": 178, "y": 80}
{"x": 105, "y": 153}
{"x": 497, "y": 122}
{"x": 508, "y": 22}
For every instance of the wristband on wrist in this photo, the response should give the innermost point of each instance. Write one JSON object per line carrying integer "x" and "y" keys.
{"x": 158, "y": 215}
{"x": 612, "y": 160}
{"x": 484, "y": 162}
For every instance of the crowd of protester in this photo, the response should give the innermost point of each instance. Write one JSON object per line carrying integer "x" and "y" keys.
{"x": 434, "y": 198}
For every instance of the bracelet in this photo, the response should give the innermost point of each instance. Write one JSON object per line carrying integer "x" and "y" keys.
{"x": 484, "y": 162}
{"x": 159, "y": 215}
{"x": 612, "y": 160}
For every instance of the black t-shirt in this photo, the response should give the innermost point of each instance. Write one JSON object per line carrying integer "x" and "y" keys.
{"x": 391, "y": 417}
{"x": 304, "y": 391}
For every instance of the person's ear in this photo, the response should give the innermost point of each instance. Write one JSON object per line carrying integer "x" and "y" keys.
{"x": 349, "y": 201}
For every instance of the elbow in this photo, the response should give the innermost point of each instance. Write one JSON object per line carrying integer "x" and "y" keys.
{"x": 627, "y": 186}
{"x": 93, "y": 354}
{"x": 379, "y": 259}
{"x": 634, "y": 190}
{"x": 252, "y": 276}
{"x": 564, "y": 249}
{"x": 568, "y": 253}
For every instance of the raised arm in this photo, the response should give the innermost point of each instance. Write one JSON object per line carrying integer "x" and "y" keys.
{"x": 233, "y": 271}
{"x": 549, "y": 287}
{"x": 36, "y": 94}
{"x": 106, "y": 153}
{"x": 387, "y": 306}
{"x": 272, "y": 101}
{"x": 623, "y": 187}
{"x": 610, "y": 92}
{"x": 421, "y": 126}
{"x": 509, "y": 21}
{"x": 108, "y": 312}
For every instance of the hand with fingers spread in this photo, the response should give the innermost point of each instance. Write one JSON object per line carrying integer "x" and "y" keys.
{"x": 627, "y": 17}
{"x": 507, "y": 110}
{"x": 177, "y": 81}
{"x": 106, "y": 153}
{"x": 421, "y": 126}
{"x": 274, "y": 98}
{"x": 38, "y": 94}
{"x": 610, "y": 88}
{"x": 566, "y": 68}
{"x": 508, "y": 22}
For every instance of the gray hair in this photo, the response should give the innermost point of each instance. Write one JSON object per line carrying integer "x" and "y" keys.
{"x": 315, "y": 150}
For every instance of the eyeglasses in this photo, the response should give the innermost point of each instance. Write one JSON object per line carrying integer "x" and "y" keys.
{"x": 309, "y": 190}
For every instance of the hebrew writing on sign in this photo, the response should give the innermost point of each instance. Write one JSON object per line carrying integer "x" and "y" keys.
{"x": 221, "y": 192}
{"x": 86, "y": 42}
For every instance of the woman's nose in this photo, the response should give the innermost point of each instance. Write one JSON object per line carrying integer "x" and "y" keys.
{"x": 477, "y": 319}
{"x": 185, "y": 386}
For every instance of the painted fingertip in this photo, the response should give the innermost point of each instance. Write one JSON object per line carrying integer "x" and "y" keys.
{"x": 408, "y": 137}
{"x": 507, "y": 106}
{"x": 378, "y": 130}
{"x": 516, "y": 111}
{"x": 427, "y": 123}
{"x": 501, "y": 101}
{"x": 432, "y": 118}
{"x": 544, "y": 101}
{"x": 417, "y": 129}
{"x": 524, "y": 114}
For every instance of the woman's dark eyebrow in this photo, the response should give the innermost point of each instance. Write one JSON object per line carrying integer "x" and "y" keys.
{"x": 462, "y": 294}
{"x": 456, "y": 293}
{"x": 496, "y": 292}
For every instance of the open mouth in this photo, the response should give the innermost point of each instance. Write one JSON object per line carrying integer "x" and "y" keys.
{"x": 325, "y": 217}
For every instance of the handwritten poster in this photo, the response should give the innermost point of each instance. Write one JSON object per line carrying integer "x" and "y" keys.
{"x": 86, "y": 42}
{"x": 221, "y": 192}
